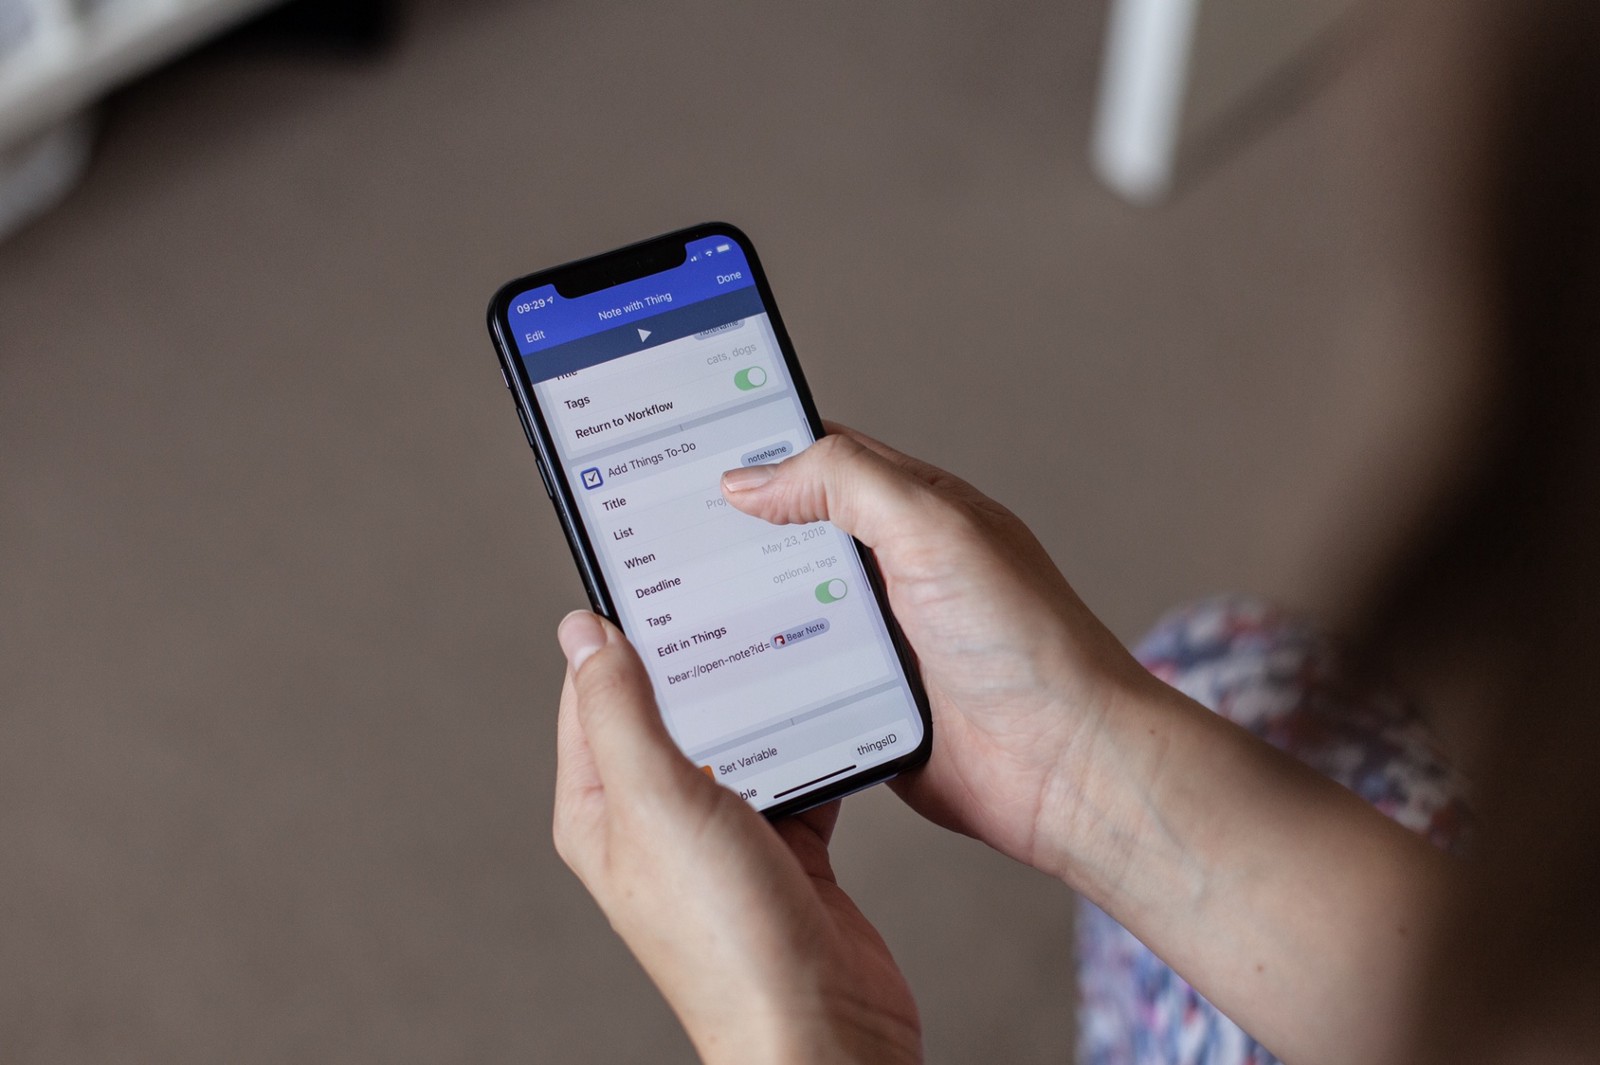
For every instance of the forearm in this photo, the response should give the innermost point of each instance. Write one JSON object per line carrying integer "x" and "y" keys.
{"x": 825, "y": 1035}
{"x": 1291, "y": 904}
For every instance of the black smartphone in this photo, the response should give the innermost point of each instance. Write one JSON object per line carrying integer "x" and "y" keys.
{"x": 640, "y": 376}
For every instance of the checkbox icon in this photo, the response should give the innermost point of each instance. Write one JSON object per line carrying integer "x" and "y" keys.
{"x": 591, "y": 478}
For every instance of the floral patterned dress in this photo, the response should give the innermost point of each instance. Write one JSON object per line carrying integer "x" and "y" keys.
{"x": 1281, "y": 679}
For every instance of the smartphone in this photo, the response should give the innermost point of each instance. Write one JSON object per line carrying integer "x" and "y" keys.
{"x": 640, "y": 376}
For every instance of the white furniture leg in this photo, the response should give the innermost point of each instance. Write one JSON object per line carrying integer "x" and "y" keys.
{"x": 1142, "y": 87}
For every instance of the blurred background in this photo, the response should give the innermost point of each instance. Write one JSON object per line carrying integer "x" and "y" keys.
{"x": 278, "y": 586}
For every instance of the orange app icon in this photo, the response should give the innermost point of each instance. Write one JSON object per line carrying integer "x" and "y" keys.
{"x": 708, "y": 771}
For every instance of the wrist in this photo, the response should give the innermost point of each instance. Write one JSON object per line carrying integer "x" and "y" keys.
{"x": 825, "y": 1034}
{"x": 855, "y": 1041}
{"x": 1098, "y": 813}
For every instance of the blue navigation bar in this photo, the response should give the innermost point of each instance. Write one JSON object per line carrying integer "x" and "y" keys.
{"x": 642, "y": 333}
{"x": 541, "y": 319}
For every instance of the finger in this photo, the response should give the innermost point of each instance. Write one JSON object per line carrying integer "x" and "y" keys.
{"x": 616, "y": 710}
{"x": 838, "y": 479}
{"x": 807, "y": 835}
{"x": 580, "y": 801}
{"x": 821, "y": 820}
{"x": 575, "y": 769}
{"x": 916, "y": 467}
{"x": 926, "y": 472}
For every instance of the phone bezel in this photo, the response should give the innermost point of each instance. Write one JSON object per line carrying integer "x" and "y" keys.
{"x": 619, "y": 263}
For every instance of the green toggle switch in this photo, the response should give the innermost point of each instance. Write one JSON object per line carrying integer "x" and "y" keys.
{"x": 749, "y": 378}
{"x": 832, "y": 591}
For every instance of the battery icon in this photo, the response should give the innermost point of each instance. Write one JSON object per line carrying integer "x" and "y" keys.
{"x": 724, "y": 247}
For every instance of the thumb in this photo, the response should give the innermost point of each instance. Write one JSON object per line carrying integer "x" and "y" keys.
{"x": 616, "y": 709}
{"x": 836, "y": 479}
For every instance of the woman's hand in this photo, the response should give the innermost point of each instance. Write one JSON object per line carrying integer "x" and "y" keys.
{"x": 1019, "y": 672}
{"x": 740, "y": 923}
{"x": 1288, "y": 902}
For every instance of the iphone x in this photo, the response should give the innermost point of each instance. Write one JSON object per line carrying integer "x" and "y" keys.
{"x": 639, "y": 376}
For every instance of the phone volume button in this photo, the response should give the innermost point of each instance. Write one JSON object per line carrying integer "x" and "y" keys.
{"x": 527, "y": 430}
{"x": 544, "y": 474}
{"x": 549, "y": 489}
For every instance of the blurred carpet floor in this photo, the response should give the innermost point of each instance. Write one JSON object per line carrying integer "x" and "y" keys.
{"x": 278, "y": 581}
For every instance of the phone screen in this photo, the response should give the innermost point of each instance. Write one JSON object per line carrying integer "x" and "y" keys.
{"x": 772, "y": 661}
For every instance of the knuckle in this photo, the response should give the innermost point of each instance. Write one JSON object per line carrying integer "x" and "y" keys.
{"x": 835, "y": 449}
{"x": 842, "y": 488}
{"x": 962, "y": 517}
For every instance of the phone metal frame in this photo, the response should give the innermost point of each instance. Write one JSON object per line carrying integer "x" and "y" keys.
{"x": 619, "y": 266}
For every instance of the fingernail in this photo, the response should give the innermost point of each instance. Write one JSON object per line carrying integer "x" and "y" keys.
{"x": 745, "y": 478}
{"x": 580, "y": 635}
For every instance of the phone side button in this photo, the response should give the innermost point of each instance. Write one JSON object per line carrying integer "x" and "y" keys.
{"x": 527, "y": 431}
{"x": 549, "y": 490}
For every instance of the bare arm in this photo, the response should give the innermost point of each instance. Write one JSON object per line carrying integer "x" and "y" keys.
{"x": 1297, "y": 909}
